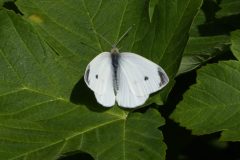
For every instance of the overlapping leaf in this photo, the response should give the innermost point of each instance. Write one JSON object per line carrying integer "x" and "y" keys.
{"x": 228, "y": 8}
{"x": 213, "y": 104}
{"x": 235, "y": 47}
{"x": 201, "y": 49}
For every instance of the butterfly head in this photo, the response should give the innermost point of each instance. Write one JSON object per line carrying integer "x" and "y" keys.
{"x": 114, "y": 50}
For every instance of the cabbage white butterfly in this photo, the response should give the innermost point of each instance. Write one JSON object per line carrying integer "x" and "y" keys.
{"x": 126, "y": 78}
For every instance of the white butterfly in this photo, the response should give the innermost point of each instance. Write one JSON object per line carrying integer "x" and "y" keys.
{"x": 126, "y": 78}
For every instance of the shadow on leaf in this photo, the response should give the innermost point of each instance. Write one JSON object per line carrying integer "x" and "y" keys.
{"x": 76, "y": 156}
{"x": 82, "y": 95}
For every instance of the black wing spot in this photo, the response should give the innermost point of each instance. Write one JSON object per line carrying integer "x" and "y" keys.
{"x": 146, "y": 78}
{"x": 87, "y": 75}
{"x": 96, "y": 76}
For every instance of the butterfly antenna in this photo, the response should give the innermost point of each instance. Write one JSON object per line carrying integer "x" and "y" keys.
{"x": 104, "y": 39}
{"x": 123, "y": 36}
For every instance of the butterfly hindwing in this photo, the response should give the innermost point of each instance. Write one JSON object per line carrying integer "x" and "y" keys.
{"x": 125, "y": 96}
{"x": 99, "y": 78}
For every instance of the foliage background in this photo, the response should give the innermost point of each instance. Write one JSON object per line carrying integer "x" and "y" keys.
{"x": 46, "y": 111}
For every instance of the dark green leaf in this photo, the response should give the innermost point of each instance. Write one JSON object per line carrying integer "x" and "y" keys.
{"x": 76, "y": 33}
{"x": 197, "y": 22}
{"x": 235, "y": 47}
{"x": 228, "y": 8}
{"x": 38, "y": 119}
{"x": 45, "y": 107}
{"x": 151, "y": 8}
{"x": 213, "y": 104}
{"x": 201, "y": 49}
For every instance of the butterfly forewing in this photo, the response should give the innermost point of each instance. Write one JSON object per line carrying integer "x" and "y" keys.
{"x": 125, "y": 96}
{"x": 144, "y": 77}
{"x": 99, "y": 78}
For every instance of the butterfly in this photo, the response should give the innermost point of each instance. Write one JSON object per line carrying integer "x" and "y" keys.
{"x": 125, "y": 78}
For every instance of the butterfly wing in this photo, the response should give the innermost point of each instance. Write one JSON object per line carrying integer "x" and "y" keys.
{"x": 138, "y": 77}
{"x": 99, "y": 78}
{"x": 125, "y": 97}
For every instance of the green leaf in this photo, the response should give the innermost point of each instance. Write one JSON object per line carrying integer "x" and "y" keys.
{"x": 197, "y": 22}
{"x": 151, "y": 8}
{"x": 39, "y": 121}
{"x": 76, "y": 33}
{"x": 235, "y": 47}
{"x": 46, "y": 109}
{"x": 213, "y": 104}
{"x": 199, "y": 50}
{"x": 228, "y": 8}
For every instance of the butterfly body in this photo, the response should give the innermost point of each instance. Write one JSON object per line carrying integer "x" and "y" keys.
{"x": 115, "y": 59}
{"x": 125, "y": 78}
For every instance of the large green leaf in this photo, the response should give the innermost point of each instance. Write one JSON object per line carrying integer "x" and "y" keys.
{"x": 46, "y": 109}
{"x": 228, "y": 8}
{"x": 235, "y": 47}
{"x": 37, "y": 119}
{"x": 75, "y": 33}
{"x": 213, "y": 104}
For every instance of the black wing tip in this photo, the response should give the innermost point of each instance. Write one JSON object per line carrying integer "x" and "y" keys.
{"x": 163, "y": 77}
{"x": 87, "y": 75}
